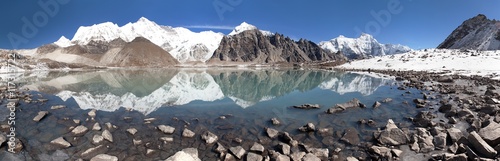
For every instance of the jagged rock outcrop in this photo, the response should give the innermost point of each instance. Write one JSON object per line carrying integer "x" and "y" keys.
{"x": 255, "y": 47}
{"x": 477, "y": 33}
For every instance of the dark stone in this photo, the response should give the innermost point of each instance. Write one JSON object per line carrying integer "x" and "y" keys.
{"x": 445, "y": 108}
{"x": 481, "y": 146}
{"x": 351, "y": 136}
{"x": 307, "y": 106}
{"x": 308, "y": 128}
{"x": 424, "y": 119}
{"x": 376, "y": 104}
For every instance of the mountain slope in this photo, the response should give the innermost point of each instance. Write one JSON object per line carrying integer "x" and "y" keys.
{"x": 181, "y": 43}
{"x": 255, "y": 46}
{"x": 141, "y": 52}
{"x": 363, "y": 47}
{"x": 477, "y": 33}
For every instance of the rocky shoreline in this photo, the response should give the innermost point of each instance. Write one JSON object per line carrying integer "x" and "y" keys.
{"x": 459, "y": 120}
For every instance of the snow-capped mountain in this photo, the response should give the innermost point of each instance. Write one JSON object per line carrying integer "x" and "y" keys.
{"x": 245, "y": 27}
{"x": 181, "y": 43}
{"x": 363, "y": 47}
{"x": 63, "y": 42}
{"x": 477, "y": 33}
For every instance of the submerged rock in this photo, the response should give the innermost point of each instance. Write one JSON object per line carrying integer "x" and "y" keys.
{"x": 351, "y": 136}
{"x": 275, "y": 121}
{"x": 40, "y": 116}
{"x": 344, "y": 106}
{"x": 57, "y": 107}
{"x": 376, "y": 104}
{"x": 272, "y": 133}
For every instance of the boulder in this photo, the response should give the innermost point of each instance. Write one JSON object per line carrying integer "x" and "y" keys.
{"x": 440, "y": 141}
{"x": 351, "y": 159}
{"x": 455, "y": 134}
{"x": 308, "y": 128}
{"x": 392, "y": 135}
{"x": 254, "y": 157}
{"x": 481, "y": 146}
{"x": 92, "y": 113}
{"x": 79, "y": 130}
{"x": 275, "y": 121}
{"x": 107, "y": 135}
{"x": 56, "y": 107}
{"x": 96, "y": 127}
{"x": 97, "y": 139}
{"x": 311, "y": 157}
{"x": 307, "y": 106}
{"x": 284, "y": 148}
{"x": 354, "y": 103}
{"x": 132, "y": 131}
{"x": 167, "y": 139}
{"x": 3, "y": 139}
{"x": 187, "y": 133}
{"x": 445, "y": 108}
{"x": 424, "y": 119}
{"x": 445, "y": 79}
{"x": 424, "y": 141}
{"x": 220, "y": 148}
{"x": 272, "y": 133}
{"x": 104, "y": 157}
{"x": 298, "y": 155}
{"x": 381, "y": 151}
{"x": 351, "y": 136}
{"x": 59, "y": 141}
{"x": 209, "y": 137}
{"x": 491, "y": 133}
{"x": 188, "y": 154}
{"x": 40, "y": 116}
{"x": 282, "y": 157}
{"x": 238, "y": 151}
{"x": 256, "y": 147}
{"x": 166, "y": 129}
{"x": 376, "y": 104}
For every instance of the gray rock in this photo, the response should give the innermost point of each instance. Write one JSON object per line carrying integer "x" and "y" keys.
{"x": 275, "y": 121}
{"x": 354, "y": 103}
{"x": 445, "y": 108}
{"x": 381, "y": 151}
{"x": 59, "y": 141}
{"x": 40, "y": 116}
{"x": 320, "y": 153}
{"x": 166, "y": 129}
{"x": 445, "y": 79}
{"x": 257, "y": 147}
{"x": 107, "y": 135}
{"x": 132, "y": 131}
{"x": 311, "y": 157}
{"x": 351, "y": 136}
{"x": 272, "y": 133}
{"x": 491, "y": 133}
{"x": 424, "y": 119}
{"x": 97, "y": 139}
{"x": 284, "y": 148}
{"x": 3, "y": 139}
{"x": 254, "y": 157}
{"x": 308, "y": 128}
{"x": 92, "y": 151}
{"x": 282, "y": 157}
{"x": 238, "y": 151}
{"x": 392, "y": 135}
{"x": 351, "y": 159}
{"x": 387, "y": 100}
{"x": 425, "y": 140}
{"x": 481, "y": 146}
{"x": 397, "y": 152}
{"x": 104, "y": 157}
{"x": 440, "y": 141}
{"x": 56, "y": 107}
{"x": 92, "y": 113}
{"x": 209, "y": 137}
{"x": 453, "y": 148}
{"x": 220, "y": 148}
{"x": 96, "y": 127}
{"x": 187, "y": 133}
{"x": 453, "y": 157}
{"x": 455, "y": 134}
{"x": 167, "y": 139}
{"x": 376, "y": 104}
{"x": 188, "y": 154}
{"x": 297, "y": 156}
{"x": 79, "y": 130}
{"x": 307, "y": 106}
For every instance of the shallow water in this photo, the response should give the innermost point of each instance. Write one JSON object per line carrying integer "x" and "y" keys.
{"x": 196, "y": 99}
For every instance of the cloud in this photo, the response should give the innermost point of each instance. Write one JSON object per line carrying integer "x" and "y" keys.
{"x": 211, "y": 27}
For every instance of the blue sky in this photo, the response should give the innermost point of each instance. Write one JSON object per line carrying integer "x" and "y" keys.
{"x": 416, "y": 23}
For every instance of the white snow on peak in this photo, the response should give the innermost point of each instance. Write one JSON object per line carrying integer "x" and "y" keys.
{"x": 451, "y": 61}
{"x": 181, "y": 43}
{"x": 63, "y": 42}
{"x": 364, "y": 46}
{"x": 245, "y": 27}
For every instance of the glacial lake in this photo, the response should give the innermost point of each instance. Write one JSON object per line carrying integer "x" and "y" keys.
{"x": 235, "y": 104}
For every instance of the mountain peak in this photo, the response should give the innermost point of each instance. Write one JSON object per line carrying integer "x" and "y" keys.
{"x": 477, "y": 33}
{"x": 142, "y": 19}
{"x": 63, "y": 42}
{"x": 243, "y": 27}
{"x": 366, "y": 36}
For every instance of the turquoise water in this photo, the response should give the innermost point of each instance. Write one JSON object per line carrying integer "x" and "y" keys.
{"x": 197, "y": 98}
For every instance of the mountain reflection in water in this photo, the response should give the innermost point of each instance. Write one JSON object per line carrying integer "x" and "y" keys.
{"x": 147, "y": 90}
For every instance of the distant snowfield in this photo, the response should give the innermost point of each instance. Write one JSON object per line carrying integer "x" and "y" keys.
{"x": 482, "y": 63}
